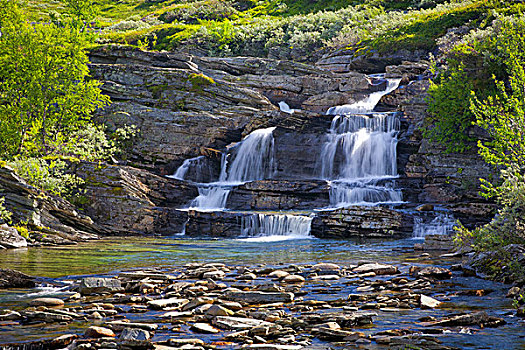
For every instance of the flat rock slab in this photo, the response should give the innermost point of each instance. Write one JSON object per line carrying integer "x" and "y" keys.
{"x": 98, "y": 332}
{"x": 204, "y": 328}
{"x": 164, "y": 303}
{"x": 98, "y": 285}
{"x": 238, "y": 323}
{"x": 255, "y": 297}
{"x": 10, "y": 238}
{"x": 481, "y": 319}
{"x": 120, "y": 325}
{"x": 47, "y": 302}
{"x": 47, "y": 317}
{"x": 273, "y": 347}
{"x": 378, "y": 269}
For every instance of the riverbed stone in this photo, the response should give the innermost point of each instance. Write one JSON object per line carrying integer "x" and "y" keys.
{"x": 293, "y": 279}
{"x": 165, "y": 303}
{"x": 47, "y": 302}
{"x": 256, "y": 297}
{"x": 378, "y": 269}
{"x": 428, "y": 302}
{"x": 204, "y": 328}
{"x": 135, "y": 337}
{"x": 431, "y": 272}
{"x": 98, "y": 285}
{"x": 481, "y": 319}
{"x": 238, "y": 323}
{"x": 98, "y": 332}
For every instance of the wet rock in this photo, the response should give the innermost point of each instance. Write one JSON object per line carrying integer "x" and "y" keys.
{"x": 378, "y": 269}
{"x": 10, "y": 315}
{"x": 165, "y": 303}
{"x": 214, "y": 275}
{"x": 481, "y": 319}
{"x": 428, "y": 302}
{"x": 217, "y": 310}
{"x": 293, "y": 279}
{"x": 273, "y": 347}
{"x": 278, "y": 274}
{"x": 47, "y": 302}
{"x": 326, "y": 267}
{"x": 98, "y": 332}
{"x": 238, "y": 323}
{"x": 99, "y": 285}
{"x": 431, "y": 272}
{"x": 184, "y": 341}
{"x": 204, "y": 328}
{"x": 255, "y": 297}
{"x": 10, "y": 238}
{"x": 135, "y": 338}
{"x": 47, "y": 317}
{"x": 120, "y": 325}
{"x": 14, "y": 279}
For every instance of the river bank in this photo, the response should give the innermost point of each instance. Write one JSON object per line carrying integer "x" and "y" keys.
{"x": 230, "y": 294}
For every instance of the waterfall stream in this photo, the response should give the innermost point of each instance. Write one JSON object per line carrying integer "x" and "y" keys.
{"x": 358, "y": 160}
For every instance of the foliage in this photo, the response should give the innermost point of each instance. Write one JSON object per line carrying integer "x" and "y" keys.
{"x": 44, "y": 88}
{"x": 47, "y": 174}
{"x": 449, "y": 114}
{"x": 5, "y": 215}
{"x": 502, "y": 115}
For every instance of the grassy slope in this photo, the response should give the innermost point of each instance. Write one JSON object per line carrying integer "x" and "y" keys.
{"x": 252, "y": 27}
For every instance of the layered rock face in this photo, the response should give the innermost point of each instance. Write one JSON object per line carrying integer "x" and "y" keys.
{"x": 127, "y": 200}
{"x": 54, "y": 220}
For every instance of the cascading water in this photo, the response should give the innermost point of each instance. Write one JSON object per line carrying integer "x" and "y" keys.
{"x": 269, "y": 227}
{"x": 442, "y": 224}
{"x": 197, "y": 165}
{"x": 253, "y": 159}
{"x": 360, "y": 153}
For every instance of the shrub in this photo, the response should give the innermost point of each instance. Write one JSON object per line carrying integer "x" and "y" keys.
{"x": 5, "y": 215}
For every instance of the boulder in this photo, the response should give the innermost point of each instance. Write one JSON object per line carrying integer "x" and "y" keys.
{"x": 360, "y": 221}
{"x": 10, "y": 238}
{"x": 136, "y": 338}
{"x": 47, "y": 302}
{"x": 378, "y": 269}
{"x": 14, "y": 279}
{"x": 99, "y": 285}
{"x": 98, "y": 332}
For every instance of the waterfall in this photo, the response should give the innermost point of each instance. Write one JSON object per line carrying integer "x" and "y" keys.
{"x": 273, "y": 227}
{"x": 249, "y": 160}
{"x": 199, "y": 167}
{"x": 360, "y": 152}
{"x": 441, "y": 224}
{"x": 366, "y": 105}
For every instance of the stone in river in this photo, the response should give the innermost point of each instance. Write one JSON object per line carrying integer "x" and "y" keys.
{"x": 204, "y": 328}
{"x": 47, "y": 302}
{"x": 47, "y": 317}
{"x": 98, "y": 332}
{"x": 134, "y": 337}
{"x": 214, "y": 275}
{"x": 428, "y": 302}
{"x": 326, "y": 267}
{"x": 293, "y": 279}
{"x": 14, "y": 279}
{"x": 164, "y": 303}
{"x": 217, "y": 310}
{"x": 378, "y": 269}
{"x": 10, "y": 315}
{"x": 481, "y": 319}
{"x": 255, "y": 297}
{"x": 279, "y": 274}
{"x": 97, "y": 285}
{"x": 120, "y": 325}
{"x": 273, "y": 347}
{"x": 431, "y": 272}
{"x": 238, "y": 323}
{"x": 185, "y": 341}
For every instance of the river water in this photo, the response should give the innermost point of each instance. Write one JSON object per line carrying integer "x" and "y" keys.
{"x": 59, "y": 266}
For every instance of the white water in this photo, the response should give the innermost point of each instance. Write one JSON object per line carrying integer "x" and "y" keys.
{"x": 200, "y": 169}
{"x": 360, "y": 151}
{"x": 249, "y": 160}
{"x": 366, "y": 105}
{"x": 263, "y": 227}
{"x": 441, "y": 224}
{"x": 283, "y": 106}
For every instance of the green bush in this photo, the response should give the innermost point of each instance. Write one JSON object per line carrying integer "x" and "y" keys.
{"x": 5, "y": 215}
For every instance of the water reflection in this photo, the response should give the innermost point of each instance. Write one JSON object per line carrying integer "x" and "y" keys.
{"x": 120, "y": 253}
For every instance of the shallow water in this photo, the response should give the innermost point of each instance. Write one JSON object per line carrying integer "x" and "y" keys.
{"x": 59, "y": 265}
